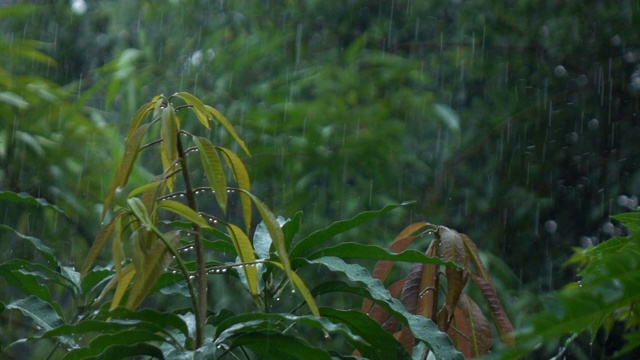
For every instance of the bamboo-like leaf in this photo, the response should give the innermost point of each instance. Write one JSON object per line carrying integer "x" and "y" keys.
{"x": 213, "y": 169}
{"x": 242, "y": 178}
{"x": 157, "y": 258}
{"x": 140, "y": 210}
{"x": 245, "y": 251}
{"x": 227, "y": 125}
{"x": 142, "y": 112}
{"x": 302, "y": 287}
{"x": 141, "y": 189}
{"x": 184, "y": 211}
{"x": 131, "y": 150}
{"x": 483, "y": 280}
{"x": 169, "y": 134}
{"x": 275, "y": 231}
{"x": 198, "y": 107}
{"x": 98, "y": 244}
{"x": 122, "y": 283}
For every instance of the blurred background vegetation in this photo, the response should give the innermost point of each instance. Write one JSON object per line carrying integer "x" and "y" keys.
{"x": 515, "y": 122}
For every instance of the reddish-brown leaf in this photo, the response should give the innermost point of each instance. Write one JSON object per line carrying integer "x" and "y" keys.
{"x": 451, "y": 248}
{"x": 488, "y": 289}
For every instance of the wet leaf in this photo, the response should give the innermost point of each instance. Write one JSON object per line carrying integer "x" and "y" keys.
{"x": 245, "y": 251}
{"x": 242, "y": 178}
{"x": 183, "y": 210}
{"x": 422, "y": 328}
{"x": 198, "y": 107}
{"x": 227, "y": 125}
{"x": 213, "y": 169}
{"x": 339, "y": 227}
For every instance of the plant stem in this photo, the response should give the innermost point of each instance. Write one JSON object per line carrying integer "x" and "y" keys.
{"x": 201, "y": 271}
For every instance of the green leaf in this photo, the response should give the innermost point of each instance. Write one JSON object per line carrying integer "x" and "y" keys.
{"x": 46, "y": 252}
{"x": 339, "y": 227}
{"x": 245, "y": 252}
{"x": 40, "y": 311}
{"x": 382, "y": 345}
{"x": 131, "y": 150}
{"x": 184, "y": 211}
{"x": 448, "y": 116}
{"x": 422, "y": 328}
{"x": 364, "y": 251}
{"x": 291, "y": 228}
{"x": 227, "y": 125}
{"x": 198, "y": 107}
{"x": 119, "y": 345}
{"x": 140, "y": 211}
{"x": 213, "y": 169}
{"x": 24, "y": 198}
{"x": 273, "y": 345}
{"x": 13, "y": 99}
{"x": 630, "y": 220}
{"x": 242, "y": 178}
{"x": 18, "y": 275}
{"x": 169, "y": 134}
{"x": 238, "y": 323}
{"x": 302, "y": 287}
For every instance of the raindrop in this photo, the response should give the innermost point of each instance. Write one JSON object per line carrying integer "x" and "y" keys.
{"x": 293, "y": 291}
{"x": 585, "y": 241}
{"x": 593, "y": 124}
{"x": 608, "y": 228}
{"x": 78, "y": 7}
{"x": 550, "y": 226}
{"x": 560, "y": 71}
{"x": 277, "y": 299}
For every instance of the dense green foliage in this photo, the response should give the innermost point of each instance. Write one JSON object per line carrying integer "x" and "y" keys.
{"x": 514, "y": 122}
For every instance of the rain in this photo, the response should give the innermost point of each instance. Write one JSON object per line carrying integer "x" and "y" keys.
{"x": 515, "y": 123}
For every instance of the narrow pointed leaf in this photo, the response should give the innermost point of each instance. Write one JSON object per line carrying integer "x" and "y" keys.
{"x": 40, "y": 311}
{"x": 122, "y": 284}
{"x": 45, "y": 251}
{"x": 245, "y": 251}
{"x": 169, "y": 134}
{"x": 227, "y": 125}
{"x": 213, "y": 169}
{"x": 184, "y": 211}
{"x": 142, "y": 112}
{"x": 242, "y": 178}
{"x": 202, "y": 113}
{"x": 304, "y": 291}
{"x": 24, "y": 198}
{"x": 140, "y": 211}
{"x": 339, "y": 227}
{"x": 131, "y": 150}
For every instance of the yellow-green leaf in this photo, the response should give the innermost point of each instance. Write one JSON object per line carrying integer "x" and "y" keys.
{"x": 213, "y": 168}
{"x": 96, "y": 247}
{"x": 198, "y": 107}
{"x": 227, "y": 125}
{"x": 302, "y": 287}
{"x": 131, "y": 150}
{"x": 242, "y": 178}
{"x": 245, "y": 251}
{"x": 122, "y": 284}
{"x": 138, "y": 208}
{"x": 184, "y": 211}
{"x": 169, "y": 133}
{"x": 140, "y": 115}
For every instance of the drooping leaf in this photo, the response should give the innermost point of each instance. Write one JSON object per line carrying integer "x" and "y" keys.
{"x": 124, "y": 344}
{"x": 157, "y": 258}
{"x": 142, "y": 112}
{"x": 122, "y": 283}
{"x": 302, "y": 287}
{"x": 45, "y": 251}
{"x": 201, "y": 112}
{"x": 98, "y": 244}
{"x": 24, "y": 198}
{"x": 365, "y": 251}
{"x": 488, "y": 289}
{"x": 291, "y": 228}
{"x": 339, "y": 227}
{"x": 381, "y": 344}
{"x": 227, "y": 125}
{"x": 40, "y": 311}
{"x": 245, "y": 252}
{"x": 470, "y": 330}
{"x": 184, "y": 211}
{"x": 422, "y": 328}
{"x": 140, "y": 210}
{"x": 131, "y": 150}
{"x": 451, "y": 247}
{"x": 242, "y": 178}
{"x": 169, "y": 134}
{"x": 213, "y": 169}
{"x": 273, "y": 345}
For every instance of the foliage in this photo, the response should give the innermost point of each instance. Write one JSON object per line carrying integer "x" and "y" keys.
{"x": 146, "y": 238}
{"x": 605, "y": 295}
